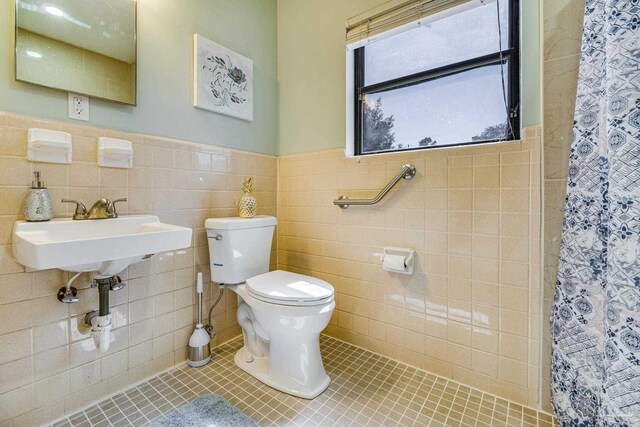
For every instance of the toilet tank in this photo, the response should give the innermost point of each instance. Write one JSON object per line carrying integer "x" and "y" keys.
{"x": 239, "y": 248}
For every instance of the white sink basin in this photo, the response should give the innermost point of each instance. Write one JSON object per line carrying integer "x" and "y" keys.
{"x": 105, "y": 246}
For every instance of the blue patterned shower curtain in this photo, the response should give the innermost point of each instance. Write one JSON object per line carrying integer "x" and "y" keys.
{"x": 595, "y": 324}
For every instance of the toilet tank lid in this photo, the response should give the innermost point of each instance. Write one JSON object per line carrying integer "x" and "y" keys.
{"x": 287, "y": 286}
{"x": 236, "y": 223}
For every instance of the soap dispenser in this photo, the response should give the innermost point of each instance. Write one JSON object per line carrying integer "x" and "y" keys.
{"x": 37, "y": 204}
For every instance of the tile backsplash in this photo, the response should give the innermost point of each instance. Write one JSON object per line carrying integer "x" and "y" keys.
{"x": 48, "y": 362}
{"x": 471, "y": 310}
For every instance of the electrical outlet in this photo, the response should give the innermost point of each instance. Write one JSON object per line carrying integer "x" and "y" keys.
{"x": 78, "y": 107}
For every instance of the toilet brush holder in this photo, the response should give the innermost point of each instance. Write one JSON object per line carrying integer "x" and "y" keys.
{"x": 199, "y": 352}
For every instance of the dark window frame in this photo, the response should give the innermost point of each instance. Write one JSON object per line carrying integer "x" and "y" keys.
{"x": 510, "y": 55}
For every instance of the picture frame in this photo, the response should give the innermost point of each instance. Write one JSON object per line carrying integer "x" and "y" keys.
{"x": 223, "y": 79}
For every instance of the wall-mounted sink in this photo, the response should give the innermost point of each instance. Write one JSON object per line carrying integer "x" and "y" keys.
{"x": 105, "y": 247}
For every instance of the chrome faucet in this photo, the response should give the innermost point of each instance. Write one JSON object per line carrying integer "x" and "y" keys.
{"x": 102, "y": 209}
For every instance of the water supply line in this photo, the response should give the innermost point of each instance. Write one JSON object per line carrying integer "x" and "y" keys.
{"x": 68, "y": 294}
{"x": 209, "y": 328}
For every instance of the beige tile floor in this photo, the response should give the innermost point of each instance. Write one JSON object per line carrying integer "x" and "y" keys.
{"x": 367, "y": 389}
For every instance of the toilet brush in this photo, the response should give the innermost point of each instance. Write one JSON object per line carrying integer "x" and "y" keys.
{"x": 199, "y": 352}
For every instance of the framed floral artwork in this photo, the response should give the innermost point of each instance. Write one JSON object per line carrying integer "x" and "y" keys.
{"x": 223, "y": 79}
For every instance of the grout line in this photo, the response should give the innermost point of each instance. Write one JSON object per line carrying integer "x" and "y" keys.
{"x": 438, "y": 376}
{"x": 345, "y": 362}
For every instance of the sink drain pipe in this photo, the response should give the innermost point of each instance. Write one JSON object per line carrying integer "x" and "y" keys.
{"x": 104, "y": 286}
{"x": 101, "y": 322}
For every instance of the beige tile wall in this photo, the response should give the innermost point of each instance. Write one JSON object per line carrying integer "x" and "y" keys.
{"x": 562, "y": 37}
{"x": 48, "y": 362}
{"x": 471, "y": 311}
{"x": 72, "y": 68}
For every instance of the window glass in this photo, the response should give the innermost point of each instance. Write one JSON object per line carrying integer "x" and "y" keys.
{"x": 452, "y": 80}
{"x": 438, "y": 112}
{"x": 455, "y": 38}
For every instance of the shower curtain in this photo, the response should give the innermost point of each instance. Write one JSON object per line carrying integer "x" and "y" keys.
{"x": 595, "y": 323}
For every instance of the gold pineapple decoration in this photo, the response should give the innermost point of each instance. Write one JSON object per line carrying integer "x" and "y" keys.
{"x": 247, "y": 204}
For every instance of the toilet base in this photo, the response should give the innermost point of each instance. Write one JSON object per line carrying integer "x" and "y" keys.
{"x": 259, "y": 369}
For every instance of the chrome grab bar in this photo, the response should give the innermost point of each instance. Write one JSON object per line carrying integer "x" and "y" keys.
{"x": 407, "y": 172}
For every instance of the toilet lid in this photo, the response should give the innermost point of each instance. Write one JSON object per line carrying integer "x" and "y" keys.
{"x": 285, "y": 286}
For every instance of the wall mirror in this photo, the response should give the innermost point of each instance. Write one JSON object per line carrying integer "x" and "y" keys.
{"x": 87, "y": 47}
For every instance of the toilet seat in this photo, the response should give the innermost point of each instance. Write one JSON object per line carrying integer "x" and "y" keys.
{"x": 286, "y": 288}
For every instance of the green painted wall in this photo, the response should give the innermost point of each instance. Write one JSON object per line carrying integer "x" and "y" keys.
{"x": 531, "y": 63}
{"x": 311, "y": 70}
{"x": 165, "y": 30}
{"x": 300, "y": 73}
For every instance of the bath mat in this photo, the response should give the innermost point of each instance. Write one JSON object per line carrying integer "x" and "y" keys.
{"x": 210, "y": 410}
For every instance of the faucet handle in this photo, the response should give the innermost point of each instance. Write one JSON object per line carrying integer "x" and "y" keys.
{"x": 81, "y": 209}
{"x": 111, "y": 209}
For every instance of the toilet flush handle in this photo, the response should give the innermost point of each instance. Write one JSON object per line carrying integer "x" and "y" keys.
{"x": 217, "y": 237}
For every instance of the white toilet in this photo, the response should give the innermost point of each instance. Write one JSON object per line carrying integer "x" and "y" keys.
{"x": 281, "y": 313}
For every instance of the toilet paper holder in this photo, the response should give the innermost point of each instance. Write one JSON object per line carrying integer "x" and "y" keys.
{"x": 398, "y": 260}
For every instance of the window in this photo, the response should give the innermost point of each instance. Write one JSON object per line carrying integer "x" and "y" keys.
{"x": 449, "y": 79}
